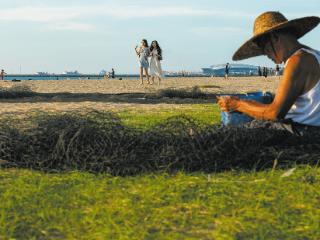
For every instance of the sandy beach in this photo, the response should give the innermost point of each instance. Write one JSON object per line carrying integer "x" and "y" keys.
{"x": 97, "y": 94}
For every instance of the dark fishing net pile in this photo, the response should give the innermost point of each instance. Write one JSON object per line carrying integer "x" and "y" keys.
{"x": 100, "y": 143}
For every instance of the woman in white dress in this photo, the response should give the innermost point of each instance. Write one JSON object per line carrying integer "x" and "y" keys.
{"x": 155, "y": 64}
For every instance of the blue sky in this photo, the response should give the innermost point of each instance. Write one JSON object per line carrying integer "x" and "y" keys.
{"x": 91, "y": 35}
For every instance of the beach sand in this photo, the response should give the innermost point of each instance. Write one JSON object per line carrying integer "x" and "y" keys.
{"x": 90, "y": 94}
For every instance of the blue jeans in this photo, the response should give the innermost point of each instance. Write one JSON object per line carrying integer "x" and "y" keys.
{"x": 284, "y": 125}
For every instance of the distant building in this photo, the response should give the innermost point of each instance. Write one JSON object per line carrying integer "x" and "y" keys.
{"x": 234, "y": 69}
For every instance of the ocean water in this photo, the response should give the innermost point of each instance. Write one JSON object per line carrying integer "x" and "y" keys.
{"x": 59, "y": 77}
{"x": 84, "y": 77}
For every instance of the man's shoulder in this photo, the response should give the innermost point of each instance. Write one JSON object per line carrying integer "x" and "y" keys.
{"x": 305, "y": 55}
{"x": 301, "y": 65}
{"x": 303, "y": 59}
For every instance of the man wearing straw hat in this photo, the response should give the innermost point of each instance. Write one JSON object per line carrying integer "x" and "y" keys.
{"x": 296, "y": 106}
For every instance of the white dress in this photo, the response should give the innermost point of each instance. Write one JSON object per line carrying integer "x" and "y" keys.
{"x": 155, "y": 64}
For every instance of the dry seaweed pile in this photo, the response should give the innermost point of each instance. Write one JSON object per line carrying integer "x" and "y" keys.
{"x": 19, "y": 91}
{"x": 193, "y": 93}
{"x": 99, "y": 142}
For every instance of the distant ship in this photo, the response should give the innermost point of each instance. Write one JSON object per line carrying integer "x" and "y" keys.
{"x": 43, "y": 73}
{"x": 75, "y": 73}
{"x": 235, "y": 69}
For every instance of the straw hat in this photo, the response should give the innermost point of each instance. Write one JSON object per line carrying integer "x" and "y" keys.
{"x": 271, "y": 21}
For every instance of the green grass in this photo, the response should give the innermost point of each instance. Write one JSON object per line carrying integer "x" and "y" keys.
{"x": 274, "y": 204}
{"x": 203, "y": 113}
{"x": 223, "y": 206}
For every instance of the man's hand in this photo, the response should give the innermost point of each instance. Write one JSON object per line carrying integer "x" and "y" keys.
{"x": 228, "y": 103}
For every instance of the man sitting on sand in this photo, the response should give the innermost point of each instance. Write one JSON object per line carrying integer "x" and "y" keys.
{"x": 296, "y": 106}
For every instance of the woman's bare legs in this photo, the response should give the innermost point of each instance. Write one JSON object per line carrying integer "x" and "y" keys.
{"x": 159, "y": 81}
{"x": 147, "y": 74}
{"x": 141, "y": 75}
{"x": 152, "y": 80}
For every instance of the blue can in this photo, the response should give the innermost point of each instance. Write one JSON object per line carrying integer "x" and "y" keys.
{"x": 237, "y": 118}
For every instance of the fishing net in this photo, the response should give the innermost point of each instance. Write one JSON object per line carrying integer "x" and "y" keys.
{"x": 101, "y": 143}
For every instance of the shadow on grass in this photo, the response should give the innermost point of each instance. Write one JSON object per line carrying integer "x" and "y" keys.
{"x": 100, "y": 143}
{"x": 178, "y": 96}
{"x": 210, "y": 86}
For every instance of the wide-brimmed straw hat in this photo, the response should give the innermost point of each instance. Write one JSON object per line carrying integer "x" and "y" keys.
{"x": 269, "y": 22}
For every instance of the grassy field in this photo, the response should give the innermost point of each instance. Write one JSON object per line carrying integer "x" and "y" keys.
{"x": 202, "y": 113}
{"x": 272, "y": 204}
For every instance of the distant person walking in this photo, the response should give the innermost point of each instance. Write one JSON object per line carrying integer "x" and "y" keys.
{"x": 155, "y": 64}
{"x": 277, "y": 70}
{"x": 226, "y": 76}
{"x": 259, "y": 71}
{"x": 143, "y": 53}
{"x": 112, "y": 73}
{"x": 265, "y": 72}
{"x": 2, "y": 74}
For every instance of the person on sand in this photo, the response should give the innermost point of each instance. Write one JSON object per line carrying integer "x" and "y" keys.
{"x": 112, "y": 73}
{"x": 155, "y": 64}
{"x": 265, "y": 72}
{"x": 143, "y": 53}
{"x": 296, "y": 105}
{"x": 226, "y": 75}
{"x": 277, "y": 73}
{"x": 2, "y": 74}
{"x": 259, "y": 71}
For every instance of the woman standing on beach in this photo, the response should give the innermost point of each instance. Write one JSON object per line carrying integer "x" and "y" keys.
{"x": 143, "y": 53}
{"x": 155, "y": 65}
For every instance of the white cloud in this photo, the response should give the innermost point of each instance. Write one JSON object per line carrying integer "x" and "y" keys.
{"x": 300, "y": 15}
{"x": 78, "y": 17}
{"x": 143, "y": 11}
{"x": 37, "y": 14}
{"x": 47, "y": 14}
{"x": 205, "y": 31}
{"x": 72, "y": 26}
{"x": 53, "y": 18}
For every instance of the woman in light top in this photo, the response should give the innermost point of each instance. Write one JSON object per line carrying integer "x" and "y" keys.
{"x": 155, "y": 64}
{"x": 143, "y": 53}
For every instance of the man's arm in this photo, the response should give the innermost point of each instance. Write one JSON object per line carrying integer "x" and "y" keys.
{"x": 291, "y": 87}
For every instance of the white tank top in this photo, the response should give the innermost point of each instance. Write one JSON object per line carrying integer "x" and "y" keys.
{"x": 306, "y": 109}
